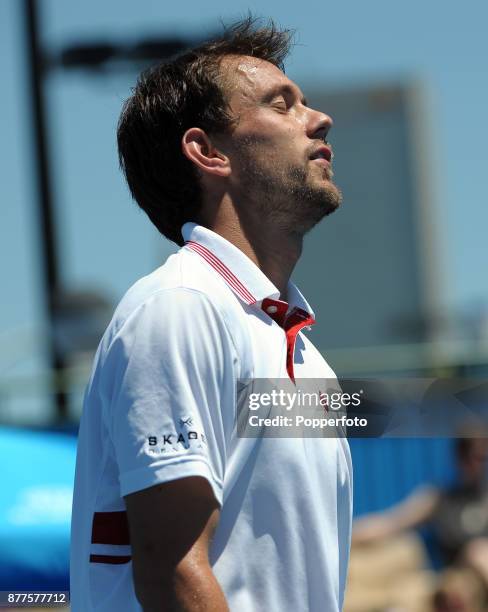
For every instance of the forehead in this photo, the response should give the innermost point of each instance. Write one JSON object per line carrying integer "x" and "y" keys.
{"x": 250, "y": 78}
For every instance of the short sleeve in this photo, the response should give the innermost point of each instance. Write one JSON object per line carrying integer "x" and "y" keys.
{"x": 170, "y": 391}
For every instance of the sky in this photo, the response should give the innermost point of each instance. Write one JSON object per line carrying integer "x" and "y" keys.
{"x": 106, "y": 243}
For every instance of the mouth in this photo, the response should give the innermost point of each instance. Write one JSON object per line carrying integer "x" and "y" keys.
{"x": 323, "y": 155}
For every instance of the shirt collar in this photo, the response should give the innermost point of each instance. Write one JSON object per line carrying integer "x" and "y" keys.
{"x": 242, "y": 275}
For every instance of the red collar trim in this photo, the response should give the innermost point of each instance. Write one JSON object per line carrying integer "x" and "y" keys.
{"x": 219, "y": 266}
{"x": 292, "y": 322}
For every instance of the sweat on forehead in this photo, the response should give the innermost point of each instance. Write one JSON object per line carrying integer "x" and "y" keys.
{"x": 247, "y": 68}
{"x": 244, "y": 63}
{"x": 239, "y": 70}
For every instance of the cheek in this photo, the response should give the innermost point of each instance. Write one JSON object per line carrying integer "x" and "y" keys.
{"x": 271, "y": 145}
{"x": 282, "y": 156}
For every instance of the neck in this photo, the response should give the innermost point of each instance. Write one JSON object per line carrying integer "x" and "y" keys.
{"x": 272, "y": 249}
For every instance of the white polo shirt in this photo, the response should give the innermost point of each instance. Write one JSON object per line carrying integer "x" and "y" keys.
{"x": 161, "y": 405}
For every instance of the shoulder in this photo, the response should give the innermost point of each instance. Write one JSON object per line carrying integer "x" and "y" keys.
{"x": 181, "y": 297}
{"x": 169, "y": 285}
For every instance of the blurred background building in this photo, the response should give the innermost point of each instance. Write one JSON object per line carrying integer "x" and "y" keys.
{"x": 396, "y": 277}
{"x": 381, "y": 252}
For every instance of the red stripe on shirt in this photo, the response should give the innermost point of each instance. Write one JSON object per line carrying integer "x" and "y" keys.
{"x": 110, "y": 528}
{"x": 111, "y": 559}
{"x": 223, "y": 270}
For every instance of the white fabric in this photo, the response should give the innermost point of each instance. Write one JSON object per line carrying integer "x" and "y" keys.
{"x": 167, "y": 366}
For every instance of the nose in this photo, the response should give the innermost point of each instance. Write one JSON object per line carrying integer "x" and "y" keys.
{"x": 319, "y": 125}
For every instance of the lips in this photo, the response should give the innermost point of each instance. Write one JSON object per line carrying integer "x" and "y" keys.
{"x": 322, "y": 153}
{"x": 320, "y": 161}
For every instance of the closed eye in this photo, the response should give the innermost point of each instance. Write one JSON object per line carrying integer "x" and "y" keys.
{"x": 280, "y": 104}
{"x": 283, "y": 97}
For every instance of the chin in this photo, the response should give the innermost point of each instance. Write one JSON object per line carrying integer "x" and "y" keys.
{"x": 331, "y": 197}
{"x": 317, "y": 209}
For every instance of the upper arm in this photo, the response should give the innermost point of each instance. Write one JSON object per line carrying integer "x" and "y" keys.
{"x": 169, "y": 387}
{"x": 171, "y": 526}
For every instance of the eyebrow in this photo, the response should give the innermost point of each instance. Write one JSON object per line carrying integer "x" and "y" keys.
{"x": 287, "y": 89}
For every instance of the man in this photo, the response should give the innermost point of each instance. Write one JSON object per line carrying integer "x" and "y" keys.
{"x": 172, "y": 510}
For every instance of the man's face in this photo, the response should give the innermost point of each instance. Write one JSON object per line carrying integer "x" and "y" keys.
{"x": 279, "y": 159}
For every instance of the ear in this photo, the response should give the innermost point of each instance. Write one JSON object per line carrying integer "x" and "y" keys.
{"x": 198, "y": 148}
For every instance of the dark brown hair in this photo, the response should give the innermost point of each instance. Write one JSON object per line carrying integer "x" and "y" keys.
{"x": 172, "y": 97}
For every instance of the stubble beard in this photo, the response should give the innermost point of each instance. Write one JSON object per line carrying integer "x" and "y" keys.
{"x": 288, "y": 198}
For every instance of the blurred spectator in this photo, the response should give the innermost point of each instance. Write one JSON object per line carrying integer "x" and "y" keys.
{"x": 458, "y": 516}
{"x": 459, "y": 590}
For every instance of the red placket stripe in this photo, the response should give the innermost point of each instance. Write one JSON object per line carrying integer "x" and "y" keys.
{"x": 291, "y": 336}
{"x": 223, "y": 270}
{"x": 291, "y": 324}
